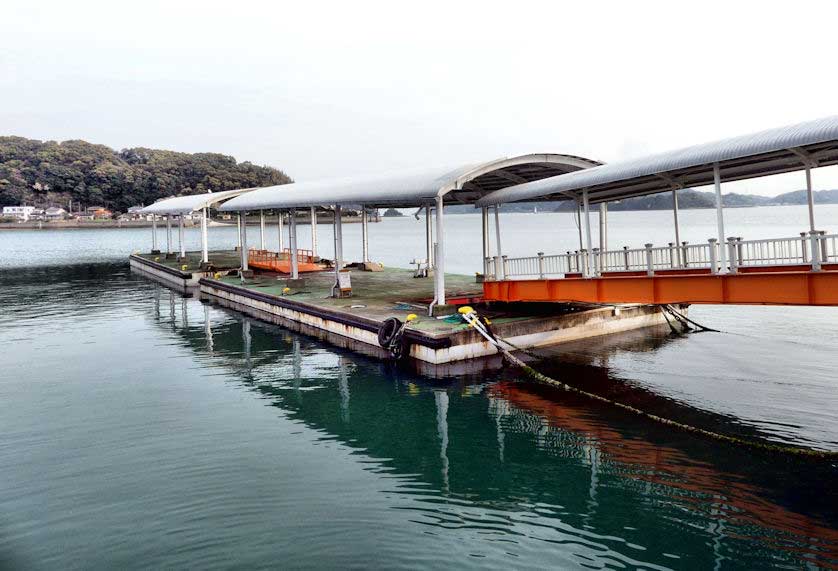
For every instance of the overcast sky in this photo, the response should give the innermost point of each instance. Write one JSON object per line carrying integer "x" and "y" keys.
{"x": 331, "y": 89}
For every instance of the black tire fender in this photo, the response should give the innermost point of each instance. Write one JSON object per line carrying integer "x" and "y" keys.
{"x": 388, "y": 330}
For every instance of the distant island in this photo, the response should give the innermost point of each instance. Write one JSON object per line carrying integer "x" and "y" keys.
{"x": 51, "y": 174}
{"x": 392, "y": 212}
{"x": 687, "y": 199}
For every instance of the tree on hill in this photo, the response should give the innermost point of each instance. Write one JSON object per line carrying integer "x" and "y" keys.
{"x": 44, "y": 173}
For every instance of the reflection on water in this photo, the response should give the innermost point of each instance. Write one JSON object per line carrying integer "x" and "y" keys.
{"x": 144, "y": 429}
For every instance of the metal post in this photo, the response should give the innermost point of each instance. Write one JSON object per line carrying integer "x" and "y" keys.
{"x": 497, "y": 229}
{"x": 804, "y": 247}
{"x": 262, "y": 230}
{"x": 650, "y": 268}
{"x": 816, "y": 251}
{"x": 153, "y": 232}
{"x": 365, "y": 242}
{"x": 243, "y": 239}
{"x": 586, "y": 205}
{"x": 313, "y": 230}
{"x": 677, "y": 225}
{"x": 810, "y": 198}
{"x": 720, "y": 219}
{"x": 484, "y": 218}
{"x": 684, "y": 252}
{"x": 731, "y": 246}
{"x": 440, "y": 253}
{"x": 541, "y": 265}
{"x": 714, "y": 268}
{"x": 338, "y": 231}
{"x": 279, "y": 216}
{"x": 292, "y": 243}
{"x": 168, "y": 233}
{"x": 180, "y": 241}
{"x": 603, "y": 234}
{"x": 204, "y": 247}
{"x": 579, "y": 224}
{"x": 626, "y": 256}
{"x": 239, "y": 229}
{"x": 429, "y": 238}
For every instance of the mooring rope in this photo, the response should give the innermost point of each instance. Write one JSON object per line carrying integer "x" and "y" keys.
{"x": 471, "y": 317}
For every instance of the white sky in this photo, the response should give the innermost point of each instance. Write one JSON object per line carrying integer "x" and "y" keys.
{"x": 331, "y": 89}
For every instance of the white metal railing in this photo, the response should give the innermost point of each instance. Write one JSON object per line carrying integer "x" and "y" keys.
{"x": 810, "y": 248}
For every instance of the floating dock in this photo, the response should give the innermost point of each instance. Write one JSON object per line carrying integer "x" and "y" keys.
{"x": 183, "y": 272}
{"x": 440, "y": 340}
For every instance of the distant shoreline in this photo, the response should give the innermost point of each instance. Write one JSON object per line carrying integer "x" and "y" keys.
{"x": 161, "y": 224}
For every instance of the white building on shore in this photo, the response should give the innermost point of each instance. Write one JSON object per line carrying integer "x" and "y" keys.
{"x": 19, "y": 212}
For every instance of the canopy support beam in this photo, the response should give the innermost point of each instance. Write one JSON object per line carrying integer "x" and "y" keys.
{"x": 603, "y": 234}
{"x": 168, "y": 233}
{"x": 313, "y": 230}
{"x": 591, "y": 271}
{"x": 365, "y": 236}
{"x": 279, "y": 216}
{"x": 204, "y": 246}
{"x": 180, "y": 242}
{"x": 262, "y": 230}
{"x": 810, "y": 198}
{"x": 292, "y": 244}
{"x": 484, "y": 216}
{"x": 720, "y": 219}
{"x": 338, "y": 231}
{"x": 439, "y": 273}
{"x": 154, "y": 234}
{"x": 678, "y": 261}
{"x": 243, "y": 240}
{"x": 429, "y": 238}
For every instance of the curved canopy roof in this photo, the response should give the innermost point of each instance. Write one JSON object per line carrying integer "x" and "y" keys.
{"x": 463, "y": 184}
{"x": 192, "y": 202}
{"x": 774, "y": 151}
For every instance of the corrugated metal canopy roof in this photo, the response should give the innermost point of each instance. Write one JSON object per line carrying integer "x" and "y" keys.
{"x": 463, "y": 184}
{"x": 192, "y": 202}
{"x": 769, "y": 152}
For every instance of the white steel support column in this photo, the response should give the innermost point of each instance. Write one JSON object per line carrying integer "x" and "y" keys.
{"x": 810, "y": 198}
{"x": 497, "y": 230}
{"x": 279, "y": 216}
{"x": 591, "y": 271}
{"x": 338, "y": 232}
{"x": 720, "y": 219}
{"x": 579, "y": 224}
{"x": 429, "y": 237}
{"x": 204, "y": 246}
{"x": 239, "y": 230}
{"x": 680, "y": 262}
{"x": 365, "y": 237}
{"x": 603, "y": 234}
{"x": 292, "y": 243}
{"x": 484, "y": 215}
{"x": 180, "y": 242}
{"x": 262, "y": 230}
{"x": 243, "y": 239}
{"x": 153, "y": 232}
{"x": 439, "y": 273}
{"x": 168, "y": 233}
{"x": 313, "y": 230}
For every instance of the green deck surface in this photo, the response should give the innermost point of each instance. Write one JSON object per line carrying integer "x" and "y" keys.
{"x": 223, "y": 259}
{"x": 375, "y": 295}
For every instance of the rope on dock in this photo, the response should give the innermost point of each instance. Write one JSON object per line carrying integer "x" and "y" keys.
{"x": 471, "y": 317}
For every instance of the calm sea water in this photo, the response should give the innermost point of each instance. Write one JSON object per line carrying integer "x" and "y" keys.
{"x": 139, "y": 428}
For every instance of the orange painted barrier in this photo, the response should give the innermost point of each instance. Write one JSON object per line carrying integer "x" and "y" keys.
{"x": 281, "y": 261}
{"x": 775, "y": 287}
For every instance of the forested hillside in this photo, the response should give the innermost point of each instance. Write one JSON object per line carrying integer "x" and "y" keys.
{"x": 45, "y": 173}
